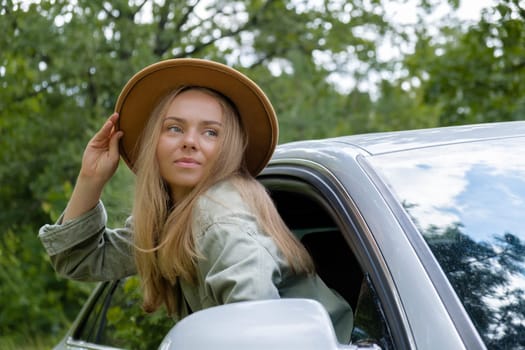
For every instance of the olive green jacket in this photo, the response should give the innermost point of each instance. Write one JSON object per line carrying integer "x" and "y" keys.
{"x": 239, "y": 263}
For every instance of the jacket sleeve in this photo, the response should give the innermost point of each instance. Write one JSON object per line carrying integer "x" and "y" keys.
{"x": 235, "y": 266}
{"x": 84, "y": 249}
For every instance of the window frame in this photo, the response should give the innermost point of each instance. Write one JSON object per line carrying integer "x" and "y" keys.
{"x": 317, "y": 181}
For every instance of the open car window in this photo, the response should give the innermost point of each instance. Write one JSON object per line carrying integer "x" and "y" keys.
{"x": 313, "y": 220}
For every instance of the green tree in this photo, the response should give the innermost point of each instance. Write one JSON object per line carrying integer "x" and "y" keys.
{"x": 476, "y": 73}
{"x": 62, "y": 65}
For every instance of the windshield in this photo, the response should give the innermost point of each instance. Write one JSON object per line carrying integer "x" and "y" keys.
{"x": 468, "y": 202}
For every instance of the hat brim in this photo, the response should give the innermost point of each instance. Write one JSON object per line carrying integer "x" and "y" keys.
{"x": 144, "y": 90}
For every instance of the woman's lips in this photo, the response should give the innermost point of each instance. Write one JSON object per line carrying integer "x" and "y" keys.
{"x": 187, "y": 162}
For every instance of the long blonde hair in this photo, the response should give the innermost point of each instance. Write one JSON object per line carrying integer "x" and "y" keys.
{"x": 164, "y": 243}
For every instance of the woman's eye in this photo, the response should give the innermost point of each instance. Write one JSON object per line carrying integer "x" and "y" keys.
{"x": 174, "y": 128}
{"x": 211, "y": 132}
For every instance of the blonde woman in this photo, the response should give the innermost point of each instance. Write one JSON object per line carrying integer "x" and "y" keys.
{"x": 203, "y": 231}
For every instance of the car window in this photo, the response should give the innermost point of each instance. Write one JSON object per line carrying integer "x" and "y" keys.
{"x": 117, "y": 320}
{"x": 369, "y": 324}
{"x": 468, "y": 203}
{"x": 311, "y": 219}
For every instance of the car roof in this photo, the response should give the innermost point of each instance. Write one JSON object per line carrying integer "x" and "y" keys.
{"x": 395, "y": 141}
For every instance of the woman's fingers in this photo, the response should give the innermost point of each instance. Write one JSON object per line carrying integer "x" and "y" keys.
{"x": 101, "y": 155}
{"x": 113, "y": 146}
{"x": 107, "y": 130}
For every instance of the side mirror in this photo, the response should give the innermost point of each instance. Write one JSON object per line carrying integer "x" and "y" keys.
{"x": 283, "y": 324}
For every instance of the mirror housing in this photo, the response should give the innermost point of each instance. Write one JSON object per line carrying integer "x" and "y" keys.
{"x": 285, "y": 324}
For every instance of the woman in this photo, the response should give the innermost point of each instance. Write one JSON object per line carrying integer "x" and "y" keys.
{"x": 204, "y": 232}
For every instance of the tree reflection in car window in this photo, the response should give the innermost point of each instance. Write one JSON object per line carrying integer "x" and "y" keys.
{"x": 469, "y": 207}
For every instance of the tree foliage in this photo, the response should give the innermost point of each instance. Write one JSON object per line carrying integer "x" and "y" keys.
{"x": 476, "y": 74}
{"x": 61, "y": 68}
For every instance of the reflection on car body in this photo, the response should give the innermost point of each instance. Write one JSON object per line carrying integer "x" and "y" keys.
{"x": 421, "y": 231}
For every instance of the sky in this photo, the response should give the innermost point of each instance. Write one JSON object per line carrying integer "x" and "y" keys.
{"x": 486, "y": 193}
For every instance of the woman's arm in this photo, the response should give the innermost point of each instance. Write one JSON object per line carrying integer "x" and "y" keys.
{"x": 79, "y": 244}
{"x": 84, "y": 249}
{"x": 99, "y": 163}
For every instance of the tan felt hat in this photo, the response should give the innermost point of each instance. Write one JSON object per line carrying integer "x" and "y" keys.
{"x": 145, "y": 89}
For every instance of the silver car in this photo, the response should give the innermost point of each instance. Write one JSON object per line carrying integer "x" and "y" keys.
{"x": 422, "y": 231}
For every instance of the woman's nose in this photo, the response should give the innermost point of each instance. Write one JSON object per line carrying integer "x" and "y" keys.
{"x": 189, "y": 140}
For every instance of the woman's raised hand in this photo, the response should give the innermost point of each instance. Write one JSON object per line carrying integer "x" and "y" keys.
{"x": 101, "y": 155}
{"x": 99, "y": 163}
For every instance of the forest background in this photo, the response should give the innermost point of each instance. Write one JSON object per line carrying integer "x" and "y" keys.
{"x": 322, "y": 63}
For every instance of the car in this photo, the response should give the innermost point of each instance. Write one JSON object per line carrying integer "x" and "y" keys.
{"x": 421, "y": 231}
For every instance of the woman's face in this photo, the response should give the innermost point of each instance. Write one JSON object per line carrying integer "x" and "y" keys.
{"x": 189, "y": 140}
